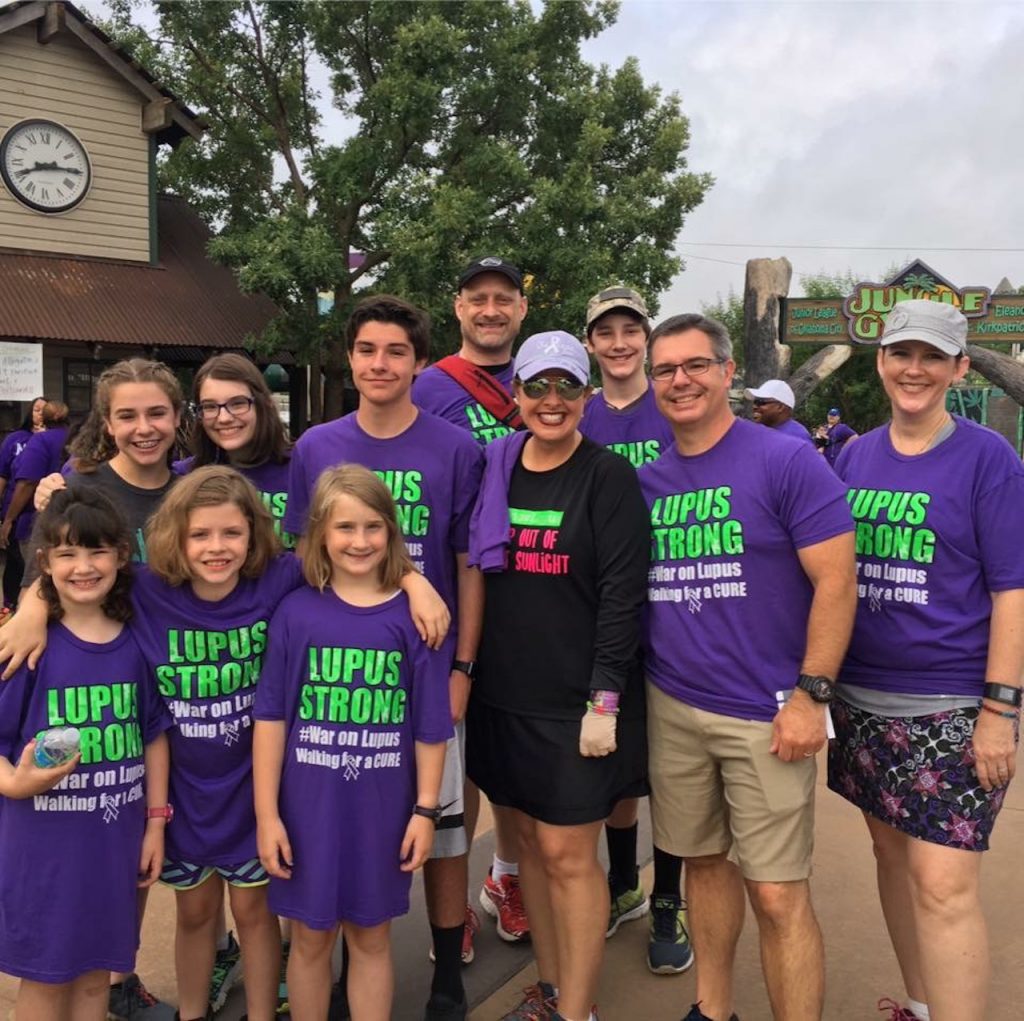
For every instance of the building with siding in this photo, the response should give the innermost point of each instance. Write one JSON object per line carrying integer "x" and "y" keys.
{"x": 94, "y": 265}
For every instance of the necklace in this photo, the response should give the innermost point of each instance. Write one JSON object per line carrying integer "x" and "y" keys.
{"x": 945, "y": 420}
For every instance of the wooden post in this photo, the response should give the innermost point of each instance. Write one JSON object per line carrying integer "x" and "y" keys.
{"x": 1004, "y": 371}
{"x": 764, "y": 357}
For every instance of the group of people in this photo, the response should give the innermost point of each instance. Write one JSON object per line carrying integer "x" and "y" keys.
{"x": 506, "y": 582}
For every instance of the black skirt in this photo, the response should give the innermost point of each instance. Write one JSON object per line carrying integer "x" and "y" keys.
{"x": 534, "y": 765}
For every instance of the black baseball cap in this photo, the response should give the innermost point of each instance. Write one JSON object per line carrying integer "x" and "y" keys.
{"x": 491, "y": 264}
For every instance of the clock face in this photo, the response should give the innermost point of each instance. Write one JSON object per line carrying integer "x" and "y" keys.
{"x": 44, "y": 166}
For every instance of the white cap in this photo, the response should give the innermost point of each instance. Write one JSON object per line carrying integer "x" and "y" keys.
{"x": 773, "y": 390}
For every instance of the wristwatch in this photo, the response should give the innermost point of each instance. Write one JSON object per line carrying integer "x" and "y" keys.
{"x": 433, "y": 814}
{"x": 166, "y": 812}
{"x": 1007, "y": 694}
{"x": 465, "y": 666}
{"x": 821, "y": 689}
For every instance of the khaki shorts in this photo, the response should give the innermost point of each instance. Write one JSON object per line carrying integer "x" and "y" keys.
{"x": 715, "y": 788}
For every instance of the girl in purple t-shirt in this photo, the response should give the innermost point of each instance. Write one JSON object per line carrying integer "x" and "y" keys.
{"x": 76, "y": 840}
{"x": 204, "y": 603}
{"x": 352, "y": 716}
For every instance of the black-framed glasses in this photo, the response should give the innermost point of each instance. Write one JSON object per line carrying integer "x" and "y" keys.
{"x": 568, "y": 389}
{"x": 235, "y": 407}
{"x": 691, "y": 367}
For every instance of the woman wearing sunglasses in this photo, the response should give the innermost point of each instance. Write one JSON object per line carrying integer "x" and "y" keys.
{"x": 555, "y": 729}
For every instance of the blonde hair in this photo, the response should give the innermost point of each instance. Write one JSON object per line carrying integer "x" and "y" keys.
{"x": 93, "y": 444}
{"x": 356, "y": 481}
{"x": 207, "y": 487}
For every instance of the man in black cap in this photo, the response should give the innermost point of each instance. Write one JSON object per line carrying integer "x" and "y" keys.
{"x": 490, "y": 306}
{"x": 473, "y": 390}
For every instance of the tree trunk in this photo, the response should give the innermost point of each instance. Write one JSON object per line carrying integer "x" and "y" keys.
{"x": 764, "y": 357}
{"x": 1004, "y": 371}
{"x": 817, "y": 368}
{"x": 334, "y": 379}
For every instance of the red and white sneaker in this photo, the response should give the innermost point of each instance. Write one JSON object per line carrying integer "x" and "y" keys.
{"x": 502, "y": 899}
{"x": 897, "y": 1012}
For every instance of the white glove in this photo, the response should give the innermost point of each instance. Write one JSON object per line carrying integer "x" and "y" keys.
{"x": 597, "y": 734}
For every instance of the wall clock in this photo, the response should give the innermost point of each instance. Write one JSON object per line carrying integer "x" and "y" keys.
{"x": 44, "y": 166}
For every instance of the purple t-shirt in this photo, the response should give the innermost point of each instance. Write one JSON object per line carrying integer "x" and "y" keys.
{"x": 14, "y": 443}
{"x": 41, "y": 457}
{"x": 354, "y": 706}
{"x": 640, "y": 433}
{"x": 727, "y": 597}
{"x": 69, "y": 858}
{"x": 791, "y": 427}
{"x": 206, "y": 658}
{"x": 837, "y": 437}
{"x": 433, "y": 471}
{"x": 936, "y": 533}
{"x": 271, "y": 481}
{"x": 435, "y": 391}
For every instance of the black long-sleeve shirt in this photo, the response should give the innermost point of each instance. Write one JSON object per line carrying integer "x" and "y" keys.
{"x": 564, "y": 617}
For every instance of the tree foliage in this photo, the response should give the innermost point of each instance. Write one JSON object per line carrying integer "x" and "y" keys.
{"x": 468, "y": 127}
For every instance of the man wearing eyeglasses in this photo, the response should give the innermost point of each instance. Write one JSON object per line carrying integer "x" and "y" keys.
{"x": 774, "y": 402}
{"x": 750, "y": 608}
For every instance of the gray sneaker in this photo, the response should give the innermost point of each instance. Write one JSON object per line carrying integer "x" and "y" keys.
{"x": 130, "y": 1000}
{"x": 668, "y": 951}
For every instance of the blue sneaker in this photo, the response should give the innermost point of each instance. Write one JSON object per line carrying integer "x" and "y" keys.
{"x": 668, "y": 950}
{"x": 696, "y": 1015}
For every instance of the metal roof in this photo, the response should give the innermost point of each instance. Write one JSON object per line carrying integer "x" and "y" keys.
{"x": 185, "y": 300}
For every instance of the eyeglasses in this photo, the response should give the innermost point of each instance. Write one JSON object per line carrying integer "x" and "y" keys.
{"x": 692, "y": 367}
{"x": 568, "y": 389}
{"x": 235, "y": 407}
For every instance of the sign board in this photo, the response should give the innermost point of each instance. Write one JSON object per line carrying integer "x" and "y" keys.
{"x": 860, "y": 316}
{"x": 21, "y": 371}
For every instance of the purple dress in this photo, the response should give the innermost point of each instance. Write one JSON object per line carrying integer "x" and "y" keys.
{"x": 69, "y": 858}
{"x": 356, "y": 688}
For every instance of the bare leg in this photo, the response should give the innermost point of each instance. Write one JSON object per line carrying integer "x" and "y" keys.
{"x": 195, "y": 938}
{"x": 371, "y": 979}
{"x": 792, "y": 955}
{"x": 714, "y": 892}
{"x": 42, "y": 1001}
{"x": 624, "y": 814}
{"x": 260, "y": 938}
{"x": 90, "y": 996}
{"x": 537, "y": 899}
{"x": 506, "y": 834}
{"x": 444, "y": 883}
{"x": 471, "y": 810}
{"x": 309, "y": 972}
{"x": 951, "y": 930}
{"x": 143, "y": 900}
{"x": 578, "y": 896}
{"x": 892, "y": 869}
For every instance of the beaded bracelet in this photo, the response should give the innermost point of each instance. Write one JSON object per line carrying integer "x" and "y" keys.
{"x": 1009, "y": 714}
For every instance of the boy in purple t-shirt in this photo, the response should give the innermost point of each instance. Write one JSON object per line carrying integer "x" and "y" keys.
{"x": 432, "y": 469}
{"x": 752, "y": 594}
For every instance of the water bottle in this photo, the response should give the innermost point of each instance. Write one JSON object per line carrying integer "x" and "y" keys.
{"x": 55, "y": 746}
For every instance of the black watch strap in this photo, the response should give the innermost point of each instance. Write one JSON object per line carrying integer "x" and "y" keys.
{"x": 820, "y": 688}
{"x": 433, "y": 814}
{"x": 1007, "y": 694}
{"x": 465, "y": 666}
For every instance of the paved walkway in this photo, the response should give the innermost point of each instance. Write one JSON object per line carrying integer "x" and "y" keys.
{"x": 860, "y": 965}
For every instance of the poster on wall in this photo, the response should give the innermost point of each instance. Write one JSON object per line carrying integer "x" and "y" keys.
{"x": 21, "y": 371}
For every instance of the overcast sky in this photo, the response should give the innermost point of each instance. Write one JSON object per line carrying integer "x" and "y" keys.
{"x": 843, "y": 135}
{"x": 879, "y": 130}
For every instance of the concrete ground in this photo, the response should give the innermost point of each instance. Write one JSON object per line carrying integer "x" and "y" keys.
{"x": 861, "y": 968}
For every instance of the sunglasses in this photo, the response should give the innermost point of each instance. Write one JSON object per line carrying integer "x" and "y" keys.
{"x": 760, "y": 402}
{"x": 568, "y": 389}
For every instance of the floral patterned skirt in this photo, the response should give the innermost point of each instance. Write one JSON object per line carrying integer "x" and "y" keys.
{"x": 915, "y": 773}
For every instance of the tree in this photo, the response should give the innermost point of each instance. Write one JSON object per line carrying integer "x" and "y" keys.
{"x": 471, "y": 127}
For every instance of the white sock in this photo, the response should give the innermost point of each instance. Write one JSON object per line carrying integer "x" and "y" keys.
{"x": 501, "y": 868}
{"x": 919, "y": 1009}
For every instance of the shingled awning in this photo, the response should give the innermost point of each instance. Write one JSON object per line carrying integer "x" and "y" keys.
{"x": 186, "y": 300}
